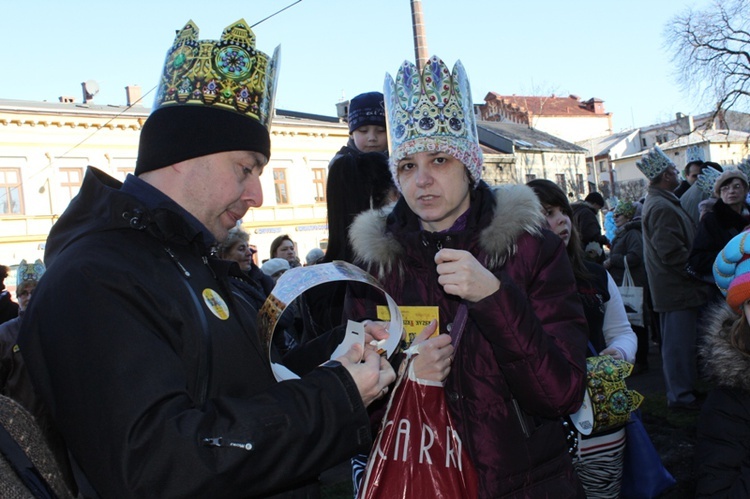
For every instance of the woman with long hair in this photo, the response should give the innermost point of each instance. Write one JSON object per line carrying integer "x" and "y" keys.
{"x": 599, "y": 458}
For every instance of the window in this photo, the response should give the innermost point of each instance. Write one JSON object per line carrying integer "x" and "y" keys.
{"x": 602, "y": 166}
{"x": 562, "y": 182}
{"x": 279, "y": 184}
{"x": 530, "y": 177}
{"x": 644, "y": 143}
{"x": 70, "y": 181}
{"x": 319, "y": 180}
{"x": 11, "y": 200}
{"x": 579, "y": 182}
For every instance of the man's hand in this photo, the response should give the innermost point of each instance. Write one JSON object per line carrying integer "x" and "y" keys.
{"x": 375, "y": 331}
{"x": 462, "y": 275}
{"x": 435, "y": 356}
{"x": 371, "y": 376}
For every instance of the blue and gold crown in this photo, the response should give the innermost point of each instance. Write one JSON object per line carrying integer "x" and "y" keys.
{"x": 654, "y": 163}
{"x": 432, "y": 111}
{"x": 706, "y": 180}
{"x": 29, "y": 272}
{"x": 229, "y": 73}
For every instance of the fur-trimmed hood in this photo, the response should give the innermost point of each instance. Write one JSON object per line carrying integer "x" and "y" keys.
{"x": 724, "y": 364}
{"x": 515, "y": 210}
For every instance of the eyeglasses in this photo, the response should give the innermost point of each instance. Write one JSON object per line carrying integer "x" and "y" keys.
{"x": 736, "y": 186}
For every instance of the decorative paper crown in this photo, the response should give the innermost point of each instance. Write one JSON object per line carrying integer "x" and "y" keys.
{"x": 432, "y": 112}
{"x": 625, "y": 208}
{"x": 706, "y": 180}
{"x": 228, "y": 73}
{"x": 695, "y": 153}
{"x": 28, "y": 272}
{"x": 744, "y": 167}
{"x": 608, "y": 402}
{"x": 653, "y": 163}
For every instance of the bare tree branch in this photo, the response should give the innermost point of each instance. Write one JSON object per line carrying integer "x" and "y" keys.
{"x": 712, "y": 53}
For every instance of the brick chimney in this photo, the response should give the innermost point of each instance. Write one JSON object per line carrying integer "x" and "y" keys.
{"x": 133, "y": 94}
{"x": 420, "y": 36}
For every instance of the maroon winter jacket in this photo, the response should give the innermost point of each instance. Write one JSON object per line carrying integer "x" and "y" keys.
{"x": 521, "y": 363}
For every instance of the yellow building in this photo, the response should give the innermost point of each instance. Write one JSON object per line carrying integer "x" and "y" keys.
{"x": 46, "y": 147}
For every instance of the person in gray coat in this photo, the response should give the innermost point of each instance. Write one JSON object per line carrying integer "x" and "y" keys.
{"x": 668, "y": 234}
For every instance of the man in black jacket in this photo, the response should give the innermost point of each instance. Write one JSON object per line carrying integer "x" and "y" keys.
{"x": 152, "y": 369}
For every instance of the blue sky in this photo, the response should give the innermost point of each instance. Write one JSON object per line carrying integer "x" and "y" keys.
{"x": 339, "y": 48}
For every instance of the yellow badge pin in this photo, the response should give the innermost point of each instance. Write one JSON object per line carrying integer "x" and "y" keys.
{"x": 216, "y": 304}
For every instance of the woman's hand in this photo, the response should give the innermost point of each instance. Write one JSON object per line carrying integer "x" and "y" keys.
{"x": 433, "y": 363}
{"x": 616, "y": 353}
{"x": 462, "y": 275}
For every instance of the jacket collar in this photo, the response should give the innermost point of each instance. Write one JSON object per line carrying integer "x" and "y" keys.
{"x": 663, "y": 193}
{"x": 499, "y": 215}
{"x": 101, "y": 206}
{"x": 724, "y": 363}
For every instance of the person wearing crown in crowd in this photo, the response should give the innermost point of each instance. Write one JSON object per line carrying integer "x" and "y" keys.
{"x": 722, "y": 449}
{"x": 367, "y": 134}
{"x": 696, "y": 194}
{"x": 598, "y": 458}
{"x": 668, "y": 235}
{"x": 450, "y": 241}
{"x": 152, "y": 371}
{"x": 14, "y": 380}
{"x": 8, "y": 308}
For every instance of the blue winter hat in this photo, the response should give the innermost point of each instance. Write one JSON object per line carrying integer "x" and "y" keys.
{"x": 366, "y": 109}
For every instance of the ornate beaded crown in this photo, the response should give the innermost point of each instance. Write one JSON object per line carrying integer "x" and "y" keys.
{"x": 707, "y": 179}
{"x": 228, "y": 73}
{"x": 432, "y": 111}
{"x": 695, "y": 153}
{"x": 654, "y": 162}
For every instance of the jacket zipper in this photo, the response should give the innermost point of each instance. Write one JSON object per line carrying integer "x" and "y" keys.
{"x": 204, "y": 357}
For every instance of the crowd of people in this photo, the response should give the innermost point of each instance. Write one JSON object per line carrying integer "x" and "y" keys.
{"x": 140, "y": 355}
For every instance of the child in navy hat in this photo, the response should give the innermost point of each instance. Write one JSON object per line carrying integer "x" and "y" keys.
{"x": 367, "y": 131}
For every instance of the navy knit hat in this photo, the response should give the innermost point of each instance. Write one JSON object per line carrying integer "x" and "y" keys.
{"x": 366, "y": 109}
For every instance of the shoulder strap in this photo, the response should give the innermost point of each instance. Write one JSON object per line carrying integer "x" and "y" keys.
{"x": 459, "y": 323}
{"x": 23, "y": 466}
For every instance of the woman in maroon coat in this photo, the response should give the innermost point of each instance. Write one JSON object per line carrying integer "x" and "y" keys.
{"x": 520, "y": 365}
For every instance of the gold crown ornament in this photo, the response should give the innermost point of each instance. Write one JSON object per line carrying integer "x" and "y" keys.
{"x": 228, "y": 73}
{"x": 430, "y": 112}
{"x": 654, "y": 163}
{"x": 607, "y": 401}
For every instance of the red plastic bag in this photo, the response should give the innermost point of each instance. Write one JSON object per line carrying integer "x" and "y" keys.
{"x": 417, "y": 452}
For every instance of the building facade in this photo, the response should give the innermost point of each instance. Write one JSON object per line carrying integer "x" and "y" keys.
{"x": 568, "y": 118}
{"x": 45, "y": 149}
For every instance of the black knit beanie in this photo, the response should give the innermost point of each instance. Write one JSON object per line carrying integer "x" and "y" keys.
{"x": 176, "y": 133}
{"x": 366, "y": 109}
